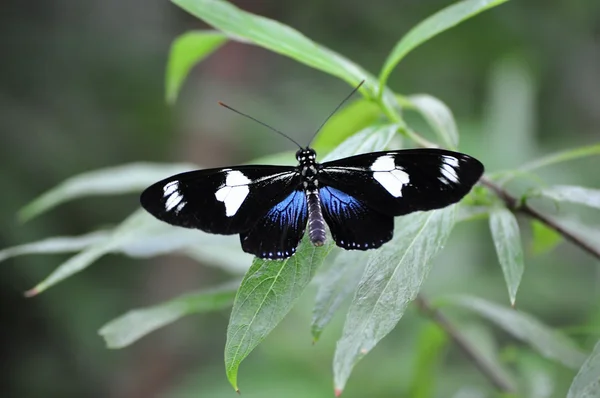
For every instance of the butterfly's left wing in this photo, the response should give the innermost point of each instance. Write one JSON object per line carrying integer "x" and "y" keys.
{"x": 263, "y": 204}
{"x": 381, "y": 185}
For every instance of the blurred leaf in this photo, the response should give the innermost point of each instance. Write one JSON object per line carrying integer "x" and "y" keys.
{"x": 507, "y": 240}
{"x": 548, "y": 160}
{"x": 537, "y": 375}
{"x": 335, "y": 286}
{"x": 544, "y": 238}
{"x": 122, "y": 234}
{"x": 109, "y": 181}
{"x": 392, "y": 279}
{"x": 137, "y": 323}
{"x": 438, "y": 116}
{"x": 368, "y": 140}
{"x": 287, "y": 158}
{"x": 563, "y": 156}
{"x": 187, "y": 50}
{"x": 430, "y": 346}
{"x": 572, "y": 194}
{"x": 432, "y": 26}
{"x": 354, "y": 117}
{"x": 587, "y": 381}
{"x": 245, "y": 27}
{"x": 550, "y": 343}
{"x": 268, "y": 292}
{"x": 58, "y": 244}
{"x": 141, "y": 235}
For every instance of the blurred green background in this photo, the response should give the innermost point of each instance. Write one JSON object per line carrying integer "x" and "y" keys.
{"x": 82, "y": 87}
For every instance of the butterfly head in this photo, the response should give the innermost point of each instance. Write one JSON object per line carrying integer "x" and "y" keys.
{"x": 306, "y": 156}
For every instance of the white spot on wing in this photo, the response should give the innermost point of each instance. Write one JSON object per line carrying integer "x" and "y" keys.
{"x": 233, "y": 192}
{"x": 449, "y": 172}
{"x": 174, "y": 199}
{"x": 390, "y": 176}
{"x": 450, "y": 160}
{"x": 170, "y": 188}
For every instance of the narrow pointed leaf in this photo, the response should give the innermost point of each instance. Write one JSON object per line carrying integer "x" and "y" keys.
{"x": 562, "y": 156}
{"x": 392, "y": 279}
{"x": 548, "y": 342}
{"x": 572, "y": 194}
{"x": 439, "y": 117}
{"x": 120, "y": 236}
{"x": 336, "y": 285}
{"x": 110, "y": 181}
{"x": 432, "y": 26}
{"x": 137, "y": 323}
{"x": 549, "y": 160}
{"x": 507, "y": 240}
{"x": 58, "y": 244}
{"x": 352, "y": 118}
{"x": 430, "y": 345}
{"x": 187, "y": 50}
{"x": 267, "y": 293}
{"x": 272, "y": 35}
{"x": 587, "y": 381}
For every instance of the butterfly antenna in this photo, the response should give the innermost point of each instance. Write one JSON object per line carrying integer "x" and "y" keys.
{"x": 336, "y": 109}
{"x": 259, "y": 122}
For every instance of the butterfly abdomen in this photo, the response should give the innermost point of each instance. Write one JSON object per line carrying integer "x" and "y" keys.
{"x": 316, "y": 222}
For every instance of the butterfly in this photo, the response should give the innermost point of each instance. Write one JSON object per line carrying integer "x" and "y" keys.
{"x": 357, "y": 197}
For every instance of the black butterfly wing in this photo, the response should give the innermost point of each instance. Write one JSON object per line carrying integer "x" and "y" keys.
{"x": 277, "y": 234}
{"x": 361, "y": 194}
{"x": 220, "y": 201}
{"x": 353, "y": 224}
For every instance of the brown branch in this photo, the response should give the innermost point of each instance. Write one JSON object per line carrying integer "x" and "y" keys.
{"x": 515, "y": 205}
{"x": 497, "y": 379}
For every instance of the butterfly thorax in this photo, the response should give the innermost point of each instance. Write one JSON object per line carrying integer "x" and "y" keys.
{"x": 309, "y": 170}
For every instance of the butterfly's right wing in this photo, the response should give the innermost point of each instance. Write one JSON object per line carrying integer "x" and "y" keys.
{"x": 221, "y": 201}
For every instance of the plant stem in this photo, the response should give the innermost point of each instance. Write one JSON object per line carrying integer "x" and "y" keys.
{"x": 496, "y": 379}
{"x": 516, "y": 206}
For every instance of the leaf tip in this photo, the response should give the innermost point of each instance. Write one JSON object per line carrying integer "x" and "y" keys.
{"x": 32, "y": 292}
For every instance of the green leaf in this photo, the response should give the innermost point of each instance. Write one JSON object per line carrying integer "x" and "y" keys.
{"x": 571, "y": 194}
{"x": 245, "y": 27}
{"x": 187, "y": 50}
{"x": 544, "y": 238}
{"x": 335, "y": 286}
{"x": 110, "y": 181}
{"x": 392, "y": 279}
{"x": 368, "y": 140}
{"x": 552, "y": 159}
{"x": 438, "y": 116}
{"x": 430, "y": 346}
{"x": 141, "y": 235}
{"x": 268, "y": 292}
{"x": 587, "y": 381}
{"x": 549, "y": 343}
{"x": 563, "y": 156}
{"x": 58, "y": 244}
{"x": 137, "y": 323}
{"x": 121, "y": 235}
{"x": 354, "y": 117}
{"x": 432, "y": 26}
{"x": 536, "y": 374}
{"x": 507, "y": 240}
